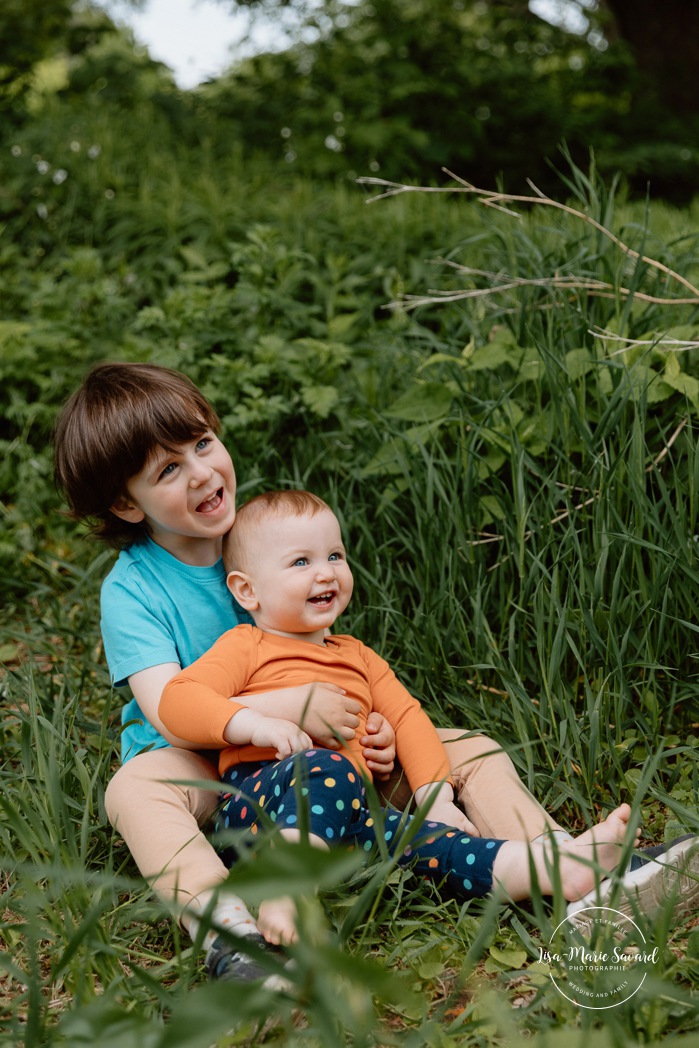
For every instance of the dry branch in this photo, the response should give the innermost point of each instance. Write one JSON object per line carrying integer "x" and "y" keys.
{"x": 490, "y": 198}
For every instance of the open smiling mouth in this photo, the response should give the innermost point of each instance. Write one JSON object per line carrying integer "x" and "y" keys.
{"x": 212, "y": 503}
{"x": 322, "y": 599}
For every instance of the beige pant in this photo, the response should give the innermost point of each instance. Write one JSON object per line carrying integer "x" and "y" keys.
{"x": 159, "y": 815}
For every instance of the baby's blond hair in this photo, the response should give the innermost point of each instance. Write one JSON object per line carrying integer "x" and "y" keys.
{"x": 237, "y": 543}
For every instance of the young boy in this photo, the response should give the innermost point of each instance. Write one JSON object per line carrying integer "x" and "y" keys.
{"x": 137, "y": 455}
{"x": 288, "y": 568}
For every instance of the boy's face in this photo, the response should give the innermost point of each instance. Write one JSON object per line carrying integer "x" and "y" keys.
{"x": 187, "y": 499}
{"x": 297, "y": 574}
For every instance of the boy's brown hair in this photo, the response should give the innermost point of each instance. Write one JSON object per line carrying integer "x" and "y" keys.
{"x": 236, "y": 544}
{"x": 110, "y": 426}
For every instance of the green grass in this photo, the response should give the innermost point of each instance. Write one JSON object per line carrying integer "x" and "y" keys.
{"x": 520, "y": 506}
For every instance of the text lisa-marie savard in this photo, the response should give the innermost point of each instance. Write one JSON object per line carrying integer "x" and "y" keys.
{"x": 582, "y": 955}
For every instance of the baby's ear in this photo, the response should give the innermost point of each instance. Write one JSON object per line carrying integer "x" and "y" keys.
{"x": 241, "y": 588}
{"x": 126, "y": 510}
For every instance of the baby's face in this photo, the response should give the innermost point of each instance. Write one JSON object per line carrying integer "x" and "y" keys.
{"x": 299, "y": 573}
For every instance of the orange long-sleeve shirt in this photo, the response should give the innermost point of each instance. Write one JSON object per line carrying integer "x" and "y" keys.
{"x": 196, "y": 704}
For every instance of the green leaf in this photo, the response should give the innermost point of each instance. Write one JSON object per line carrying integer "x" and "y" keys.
{"x": 578, "y": 363}
{"x": 606, "y": 382}
{"x": 501, "y": 348}
{"x": 391, "y": 456}
{"x": 194, "y": 258}
{"x": 442, "y": 358}
{"x": 320, "y": 399}
{"x": 493, "y": 509}
{"x": 9, "y": 651}
{"x": 532, "y": 368}
{"x": 647, "y": 382}
{"x": 492, "y": 463}
{"x": 339, "y": 325}
{"x": 425, "y": 402}
{"x": 12, "y": 329}
{"x": 508, "y": 959}
{"x": 430, "y": 970}
{"x": 685, "y": 384}
{"x": 295, "y": 869}
{"x": 672, "y": 367}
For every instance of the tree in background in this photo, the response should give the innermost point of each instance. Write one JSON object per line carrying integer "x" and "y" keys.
{"x": 29, "y": 30}
{"x": 34, "y": 31}
{"x": 664, "y": 42}
{"x": 486, "y": 87}
{"x": 660, "y": 42}
{"x": 402, "y": 88}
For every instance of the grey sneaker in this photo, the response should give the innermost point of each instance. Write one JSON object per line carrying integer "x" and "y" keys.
{"x": 230, "y": 962}
{"x": 668, "y": 871}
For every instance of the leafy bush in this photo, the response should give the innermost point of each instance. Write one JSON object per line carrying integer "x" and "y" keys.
{"x": 520, "y": 503}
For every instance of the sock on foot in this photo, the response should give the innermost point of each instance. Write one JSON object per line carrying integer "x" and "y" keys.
{"x": 229, "y": 914}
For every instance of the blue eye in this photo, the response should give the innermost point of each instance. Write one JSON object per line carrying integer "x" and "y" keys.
{"x": 203, "y": 443}
{"x": 168, "y": 469}
{"x": 301, "y": 562}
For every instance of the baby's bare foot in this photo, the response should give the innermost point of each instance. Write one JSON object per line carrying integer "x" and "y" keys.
{"x": 277, "y": 921}
{"x": 599, "y": 846}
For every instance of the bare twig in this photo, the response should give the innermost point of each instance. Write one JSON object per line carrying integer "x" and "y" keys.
{"x": 490, "y": 198}
{"x": 567, "y": 512}
{"x": 669, "y": 344}
{"x": 487, "y": 540}
{"x": 486, "y": 687}
{"x": 659, "y": 457}
{"x": 596, "y": 288}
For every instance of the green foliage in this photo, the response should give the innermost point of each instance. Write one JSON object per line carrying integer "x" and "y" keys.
{"x": 517, "y": 475}
{"x": 407, "y": 88}
{"x": 36, "y": 36}
{"x": 29, "y": 30}
{"x": 404, "y": 88}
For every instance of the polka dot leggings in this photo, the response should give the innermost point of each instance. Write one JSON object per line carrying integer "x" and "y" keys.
{"x": 322, "y": 791}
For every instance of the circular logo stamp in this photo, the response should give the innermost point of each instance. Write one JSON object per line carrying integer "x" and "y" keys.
{"x": 598, "y": 958}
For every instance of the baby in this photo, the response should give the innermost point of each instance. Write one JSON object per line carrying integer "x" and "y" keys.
{"x": 288, "y": 568}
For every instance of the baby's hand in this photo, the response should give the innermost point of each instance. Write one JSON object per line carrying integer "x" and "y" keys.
{"x": 437, "y": 804}
{"x": 448, "y": 813}
{"x": 250, "y": 727}
{"x": 285, "y": 736}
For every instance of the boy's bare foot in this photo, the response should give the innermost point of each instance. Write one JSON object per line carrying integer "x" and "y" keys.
{"x": 277, "y": 920}
{"x": 600, "y": 845}
{"x": 577, "y": 860}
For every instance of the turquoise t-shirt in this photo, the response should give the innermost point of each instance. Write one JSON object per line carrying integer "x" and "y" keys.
{"x": 156, "y": 609}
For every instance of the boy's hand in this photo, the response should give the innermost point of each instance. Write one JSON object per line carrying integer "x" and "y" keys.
{"x": 379, "y": 746}
{"x": 323, "y": 710}
{"x": 442, "y": 808}
{"x": 327, "y": 712}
